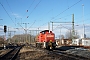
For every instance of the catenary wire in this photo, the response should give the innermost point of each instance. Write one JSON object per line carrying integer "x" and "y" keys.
{"x": 35, "y": 7}
{"x": 63, "y": 11}
{"x": 29, "y": 8}
{"x": 7, "y": 13}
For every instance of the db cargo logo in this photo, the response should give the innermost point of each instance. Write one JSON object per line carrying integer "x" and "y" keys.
{"x": 50, "y": 35}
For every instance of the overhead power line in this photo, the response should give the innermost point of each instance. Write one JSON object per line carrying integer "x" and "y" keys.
{"x": 67, "y": 9}
{"x": 31, "y": 4}
{"x": 9, "y": 6}
{"x": 61, "y": 27}
{"x": 64, "y": 11}
{"x": 33, "y": 10}
{"x": 7, "y": 13}
{"x": 32, "y": 24}
{"x": 29, "y": 8}
{"x": 35, "y": 7}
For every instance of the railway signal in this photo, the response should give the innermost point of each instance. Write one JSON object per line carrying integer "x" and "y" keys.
{"x": 5, "y": 28}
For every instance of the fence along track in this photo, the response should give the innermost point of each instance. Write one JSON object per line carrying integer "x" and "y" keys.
{"x": 11, "y": 55}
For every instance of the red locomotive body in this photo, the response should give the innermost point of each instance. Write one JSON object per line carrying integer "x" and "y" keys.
{"x": 44, "y": 38}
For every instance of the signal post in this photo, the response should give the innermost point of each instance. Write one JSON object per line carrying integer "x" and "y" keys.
{"x": 5, "y": 30}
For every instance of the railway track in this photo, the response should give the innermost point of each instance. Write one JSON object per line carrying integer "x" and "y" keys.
{"x": 60, "y": 55}
{"x": 11, "y": 55}
{"x": 65, "y": 56}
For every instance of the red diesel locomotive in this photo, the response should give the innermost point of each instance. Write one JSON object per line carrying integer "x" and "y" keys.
{"x": 46, "y": 39}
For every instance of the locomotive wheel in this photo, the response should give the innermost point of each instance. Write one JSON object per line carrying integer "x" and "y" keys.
{"x": 39, "y": 45}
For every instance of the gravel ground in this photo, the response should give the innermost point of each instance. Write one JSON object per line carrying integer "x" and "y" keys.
{"x": 4, "y": 51}
{"x": 80, "y": 52}
{"x": 29, "y": 53}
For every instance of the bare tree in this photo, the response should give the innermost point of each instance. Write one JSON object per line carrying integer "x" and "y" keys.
{"x": 62, "y": 36}
{"x": 70, "y": 36}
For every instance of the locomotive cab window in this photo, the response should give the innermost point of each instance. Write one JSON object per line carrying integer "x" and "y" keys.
{"x": 43, "y": 32}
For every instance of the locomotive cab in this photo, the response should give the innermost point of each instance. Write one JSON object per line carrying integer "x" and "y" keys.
{"x": 46, "y": 39}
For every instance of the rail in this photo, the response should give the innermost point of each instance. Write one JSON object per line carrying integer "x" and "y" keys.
{"x": 69, "y": 56}
{"x": 11, "y": 55}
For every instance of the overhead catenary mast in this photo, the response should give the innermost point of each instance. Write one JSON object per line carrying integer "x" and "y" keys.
{"x": 83, "y": 20}
{"x": 73, "y": 32}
